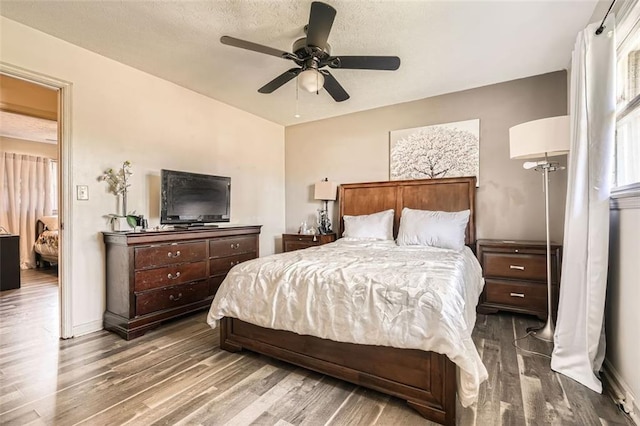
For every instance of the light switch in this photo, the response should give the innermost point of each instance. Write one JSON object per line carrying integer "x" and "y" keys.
{"x": 83, "y": 192}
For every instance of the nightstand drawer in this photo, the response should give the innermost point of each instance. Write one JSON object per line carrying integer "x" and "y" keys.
{"x": 298, "y": 245}
{"x": 291, "y": 242}
{"x": 519, "y": 295}
{"x": 516, "y": 266}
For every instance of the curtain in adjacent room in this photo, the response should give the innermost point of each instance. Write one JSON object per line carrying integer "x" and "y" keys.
{"x": 25, "y": 195}
{"x": 579, "y": 337}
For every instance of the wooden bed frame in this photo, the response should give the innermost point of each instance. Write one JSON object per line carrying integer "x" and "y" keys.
{"x": 426, "y": 380}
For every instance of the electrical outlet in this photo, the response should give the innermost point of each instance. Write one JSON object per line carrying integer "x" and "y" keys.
{"x": 82, "y": 192}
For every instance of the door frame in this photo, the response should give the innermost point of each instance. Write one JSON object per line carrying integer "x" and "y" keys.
{"x": 65, "y": 194}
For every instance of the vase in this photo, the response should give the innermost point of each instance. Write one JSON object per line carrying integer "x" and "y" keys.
{"x": 124, "y": 203}
{"x": 120, "y": 224}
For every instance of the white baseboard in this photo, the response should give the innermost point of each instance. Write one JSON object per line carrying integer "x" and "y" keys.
{"x": 621, "y": 391}
{"x": 86, "y": 328}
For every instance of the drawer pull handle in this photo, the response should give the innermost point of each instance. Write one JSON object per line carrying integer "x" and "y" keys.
{"x": 517, "y": 295}
{"x": 174, "y": 298}
{"x": 237, "y": 262}
{"x": 173, "y": 277}
{"x": 519, "y": 268}
{"x": 235, "y": 246}
{"x": 176, "y": 254}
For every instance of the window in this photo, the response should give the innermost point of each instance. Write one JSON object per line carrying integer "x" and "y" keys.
{"x": 627, "y": 152}
{"x": 53, "y": 170}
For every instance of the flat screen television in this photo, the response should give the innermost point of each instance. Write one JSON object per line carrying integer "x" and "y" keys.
{"x": 192, "y": 199}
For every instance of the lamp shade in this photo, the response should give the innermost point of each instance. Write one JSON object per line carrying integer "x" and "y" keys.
{"x": 326, "y": 191}
{"x": 311, "y": 80}
{"x": 535, "y": 139}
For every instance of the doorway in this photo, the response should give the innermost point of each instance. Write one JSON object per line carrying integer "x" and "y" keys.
{"x": 62, "y": 183}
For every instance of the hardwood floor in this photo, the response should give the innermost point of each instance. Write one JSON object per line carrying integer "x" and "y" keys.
{"x": 177, "y": 374}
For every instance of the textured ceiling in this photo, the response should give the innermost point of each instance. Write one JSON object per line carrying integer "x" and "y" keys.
{"x": 444, "y": 46}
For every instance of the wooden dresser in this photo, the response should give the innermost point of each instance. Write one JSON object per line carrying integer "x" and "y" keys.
{"x": 156, "y": 276}
{"x": 291, "y": 242}
{"x": 515, "y": 274}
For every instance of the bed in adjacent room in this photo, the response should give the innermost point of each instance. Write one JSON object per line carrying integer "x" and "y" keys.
{"x": 395, "y": 317}
{"x": 46, "y": 244}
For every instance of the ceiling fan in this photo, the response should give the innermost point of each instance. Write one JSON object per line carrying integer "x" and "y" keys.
{"x": 312, "y": 53}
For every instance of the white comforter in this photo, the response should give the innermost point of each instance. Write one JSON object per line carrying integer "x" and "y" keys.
{"x": 374, "y": 293}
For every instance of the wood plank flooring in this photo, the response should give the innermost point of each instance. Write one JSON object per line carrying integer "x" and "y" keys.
{"x": 177, "y": 374}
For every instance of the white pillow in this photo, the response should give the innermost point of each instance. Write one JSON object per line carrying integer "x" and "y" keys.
{"x": 429, "y": 228}
{"x": 376, "y": 226}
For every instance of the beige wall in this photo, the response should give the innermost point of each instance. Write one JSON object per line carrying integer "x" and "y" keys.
{"x": 119, "y": 113}
{"x": 355, "y": 148}
{"x": 623, "y": 294}
{"x": 20, "y": 146}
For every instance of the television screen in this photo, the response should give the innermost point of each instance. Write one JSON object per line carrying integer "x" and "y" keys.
{"x": 192, "y": 198}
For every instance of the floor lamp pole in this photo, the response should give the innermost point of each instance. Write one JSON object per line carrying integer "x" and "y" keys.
{"x": 546, "y": 332}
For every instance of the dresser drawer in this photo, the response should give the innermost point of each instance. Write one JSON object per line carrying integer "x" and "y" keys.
{"x": 530, "y": 296}
{"x": 231, "y": 246}
{"x": 214, "y": 284}
{"x": 223, "y": 264}
{"x": 171, "y": 297}
{"x": 170, "y": 275}
{"x": 169, "y": 254}
{"x": 516, "y": 266}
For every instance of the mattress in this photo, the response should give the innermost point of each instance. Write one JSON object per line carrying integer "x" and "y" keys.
{"x": 365, "y": 292}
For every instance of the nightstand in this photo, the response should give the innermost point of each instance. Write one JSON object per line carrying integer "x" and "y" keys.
{"x": 291, "y": 242}
{"x": 515, "y": 275}
{"x": 9, "y": 262}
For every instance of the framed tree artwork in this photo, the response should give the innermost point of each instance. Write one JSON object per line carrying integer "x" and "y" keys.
{"x": 437, "y": 151}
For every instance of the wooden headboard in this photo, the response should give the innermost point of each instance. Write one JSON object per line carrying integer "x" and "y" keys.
{"x": 448, "y": 194}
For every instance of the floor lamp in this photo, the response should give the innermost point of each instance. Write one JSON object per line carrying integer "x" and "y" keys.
{"x": 548, "y": 137}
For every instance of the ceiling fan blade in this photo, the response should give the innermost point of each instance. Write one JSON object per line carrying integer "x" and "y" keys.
{"x": 334, "y": 88}
{"x": 320, "y": 23}
{"x": 390, "y": 63}
{"x": 243, "y": 44}
{"x": 279, "y": 80}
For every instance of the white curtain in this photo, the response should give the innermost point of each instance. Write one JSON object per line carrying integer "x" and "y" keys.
{"x": 579, "y": 338}
{"x": 25, "y": 191}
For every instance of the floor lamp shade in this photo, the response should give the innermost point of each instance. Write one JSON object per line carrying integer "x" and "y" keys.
{"x": 535, "y": 139}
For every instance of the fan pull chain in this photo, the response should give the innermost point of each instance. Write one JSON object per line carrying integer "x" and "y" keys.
{"x": 296, "y": 115}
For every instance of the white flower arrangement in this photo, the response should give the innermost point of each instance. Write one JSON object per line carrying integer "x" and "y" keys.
{"x": 118, "y": 181}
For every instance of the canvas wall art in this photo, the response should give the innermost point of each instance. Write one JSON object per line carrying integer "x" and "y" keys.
{"x": 437, "y": 151}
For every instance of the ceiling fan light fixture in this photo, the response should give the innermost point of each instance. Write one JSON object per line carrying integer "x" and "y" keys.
{"x": 311, "y": 80}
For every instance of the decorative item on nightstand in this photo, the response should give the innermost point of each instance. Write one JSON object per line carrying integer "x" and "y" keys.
{"x": 325, "y": 191}
{"x": 546, "y": 138}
